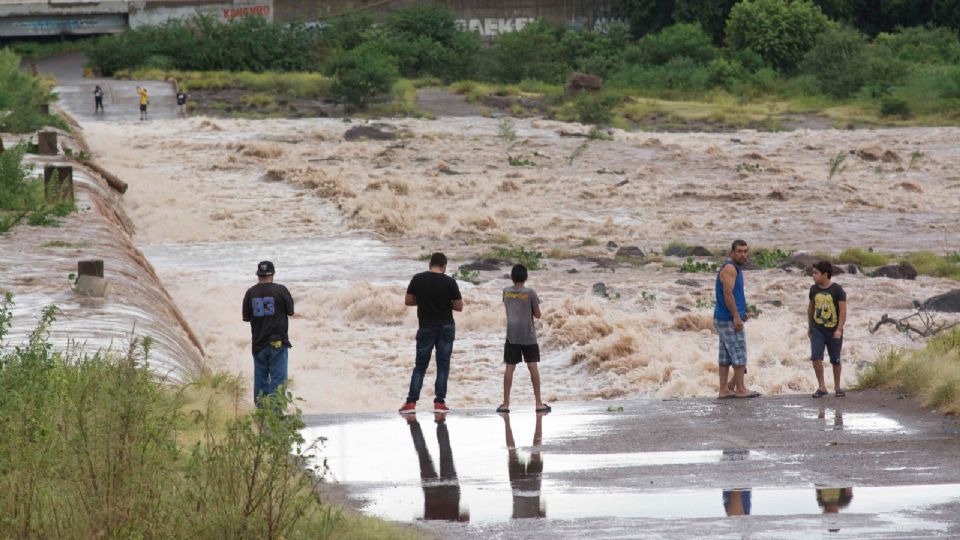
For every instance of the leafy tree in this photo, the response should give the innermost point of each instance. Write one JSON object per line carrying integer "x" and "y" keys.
{"x": 20, "y": 95}
{"x": 646, "y": 16}
{"x": 921, "y": 45}
{"x": 362, "y": 73}
{"x": 837, "y": 61}
{"x": 534, "y": 52}
{"x": 688, "y": 40}
{"x": 711, "y": 14}
{"x": 425, "y": 40}
{"x": 780, "y": 31}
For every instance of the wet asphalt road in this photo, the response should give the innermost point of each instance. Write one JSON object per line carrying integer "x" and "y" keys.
{"x": 866, "y": 466}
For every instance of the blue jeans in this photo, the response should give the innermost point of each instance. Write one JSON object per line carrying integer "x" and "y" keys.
{"x": 269, "y": 371}
{"x": 441, "y": 338}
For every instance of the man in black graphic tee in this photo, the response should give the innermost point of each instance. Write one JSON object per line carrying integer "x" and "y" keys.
{"x": 436, "y": 296}
{"x": 266, "y": 306}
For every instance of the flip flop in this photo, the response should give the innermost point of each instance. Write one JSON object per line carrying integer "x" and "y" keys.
{"x": 728, "y": 396}
{"x": 841, "y": 393}
{"x": 820, "y": 393}
{"x": 545, "y": 409}
{"x": 750, "y": 395}
{"x": 502, "y": 409}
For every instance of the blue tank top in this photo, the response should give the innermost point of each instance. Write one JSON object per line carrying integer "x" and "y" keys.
{"x": 720, "y": 311}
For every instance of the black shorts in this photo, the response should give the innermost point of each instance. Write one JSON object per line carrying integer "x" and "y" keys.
{"x": 512, "y": 353}
{"x": 820, "y": 339}
{"x": 143, "y": 108}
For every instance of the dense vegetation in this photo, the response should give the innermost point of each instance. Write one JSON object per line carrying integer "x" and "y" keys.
{"x": 880, "y": 56}
{"x": 21, "y": 95}
{"x": 93, "y": 447}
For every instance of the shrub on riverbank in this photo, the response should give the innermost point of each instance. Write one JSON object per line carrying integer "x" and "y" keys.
{"x": 932, "y": 374}
{"x": 21, "y": 96}
{"x": 95, "y": 447}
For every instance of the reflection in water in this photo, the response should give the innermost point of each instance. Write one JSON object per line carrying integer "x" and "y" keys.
{"x": 441, "y": 496}
{"x": 837, "y": 417}
{"x": 737, "y": 502}
{"x": 832, "y": 500}
{"x": 525, "y": 476}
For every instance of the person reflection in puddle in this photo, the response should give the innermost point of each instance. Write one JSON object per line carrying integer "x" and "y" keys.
{"x": 837, "y": 417}
{"x": 441, "y": 496}
{"x": 832, "y": 500}
{"x": 737, "y": 502}
{"x": 525, "y": 477}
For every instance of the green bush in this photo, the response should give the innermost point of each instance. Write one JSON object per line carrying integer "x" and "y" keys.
{"x": 360, "y": 74}
{"x": 426, "y": 41}
{"x": 922, "y": 45}
{"x": 519, "y": 254}
{"x": 17, "y": 191}
{"x": 596, "y": 109}
{"x": 894, "y": 106}
{"x": 594, "y": 52}
{"x": 534, "y": 52}
{"x": 679, "y": 40}
{"x": 863, "y": 257}
{"x": 680, "y": 77}
{"x": 781, "y": 32}
{"x": 20, "y": 96}
{"x": 95, "y": 447}
{"x": 837, "y": 60}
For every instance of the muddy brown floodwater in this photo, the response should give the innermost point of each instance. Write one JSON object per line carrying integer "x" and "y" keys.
{"x": 346, "y": 222}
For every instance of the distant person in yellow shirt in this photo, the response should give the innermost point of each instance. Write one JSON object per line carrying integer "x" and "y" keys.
{"x": 144, "y": 101}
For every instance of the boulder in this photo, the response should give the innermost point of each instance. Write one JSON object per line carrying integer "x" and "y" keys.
{"x": 631, "y": 252}
{"x": 800, "y": 261}
{"x": 485, "y": 264}
{"x": 376, "y": 132}
{"x": 674, "y": 250}
{"x": 600, "y": 289}
{"x": 947, "y": 302}
{"x": 611, "y": 245}
{"x": 579, "y": 82}
{"x": 896, "y": 271}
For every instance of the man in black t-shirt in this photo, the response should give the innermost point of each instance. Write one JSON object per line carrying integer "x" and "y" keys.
{"x": 266, "y": 306}
{"x": 436, "y": 296}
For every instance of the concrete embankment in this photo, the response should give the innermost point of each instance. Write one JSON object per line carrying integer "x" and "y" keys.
{"x": 36, "y": 264}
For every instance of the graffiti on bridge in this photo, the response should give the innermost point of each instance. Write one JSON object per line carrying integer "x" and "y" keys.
{"x": 494, "y": 26}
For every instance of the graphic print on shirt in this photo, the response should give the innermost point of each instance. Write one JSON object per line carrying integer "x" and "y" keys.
{"x": 515, "y": 295}
{"x": 824, "y": 312}
{"x": 263, "y": 307}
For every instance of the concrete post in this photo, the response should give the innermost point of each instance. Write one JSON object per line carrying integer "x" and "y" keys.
{"x": 58, "y": 184}
{"x": 47, "y": 142}
{"x": 93, "y": 267}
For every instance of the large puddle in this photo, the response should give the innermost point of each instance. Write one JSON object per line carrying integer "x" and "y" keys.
{"x": 488, "y": 469}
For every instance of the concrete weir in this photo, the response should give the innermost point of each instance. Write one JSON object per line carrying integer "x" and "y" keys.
{"x": 38, "y": 266}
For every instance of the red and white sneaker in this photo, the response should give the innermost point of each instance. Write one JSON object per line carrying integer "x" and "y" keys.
{"x": 408, "y": 408}
{"x": 440, "y": 408}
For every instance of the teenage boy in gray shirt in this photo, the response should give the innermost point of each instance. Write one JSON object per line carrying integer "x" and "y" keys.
{"x": 522, "y": 305}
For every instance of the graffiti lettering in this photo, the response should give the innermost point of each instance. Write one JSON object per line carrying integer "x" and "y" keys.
{"x": 234, "y": 13}
{"x": 490, "y": 27}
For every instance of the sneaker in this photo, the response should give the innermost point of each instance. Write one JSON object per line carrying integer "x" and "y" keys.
{"x": 440, "y": 408}
{"x": 408, "y": 408}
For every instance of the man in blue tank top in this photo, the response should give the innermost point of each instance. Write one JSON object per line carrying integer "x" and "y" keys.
{"x": 729, "y": 314}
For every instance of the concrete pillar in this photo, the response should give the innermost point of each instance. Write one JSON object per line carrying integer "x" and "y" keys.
{"x": 58, "y": 184}
{"x": 93, "y": 267}
{"x": 90, "y": 281}
{"x": 47, "y": 142}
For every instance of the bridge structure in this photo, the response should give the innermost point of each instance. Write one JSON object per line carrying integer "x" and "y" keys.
{"x": 20, "y": 19}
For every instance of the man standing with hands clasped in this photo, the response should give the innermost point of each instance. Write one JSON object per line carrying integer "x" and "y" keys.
{"x": 729, "y": 314}
{"x": 436, "y": 296}
{"x": 266, "y": 306}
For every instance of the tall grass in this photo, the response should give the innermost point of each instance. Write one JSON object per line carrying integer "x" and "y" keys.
{"x": 932, "y": 374}
{"x": 282, "y": 84}
{"x": 21, "y": 94}
{"x": 94, "y": 446}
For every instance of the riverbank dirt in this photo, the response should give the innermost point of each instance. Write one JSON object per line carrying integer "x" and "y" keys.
{"x": 462, "y": 185}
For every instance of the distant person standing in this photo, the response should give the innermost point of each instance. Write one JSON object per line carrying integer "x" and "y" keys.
{"x": 182, "y": 102}
{"x": 826, "y": 315}
{"x": 436, "y": 296}
{"x": 523, "y": 306}
{"x": 266, "y": 306}
{"x": 729, "y": 314}
{"x": 97, "y": 99}
{"x": 144, "y": 101}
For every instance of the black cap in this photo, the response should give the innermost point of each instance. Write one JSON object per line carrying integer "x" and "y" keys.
{"x": 265, "y": 268}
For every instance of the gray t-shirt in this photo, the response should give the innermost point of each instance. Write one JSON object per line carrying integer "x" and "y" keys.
{"x": 519, "y": 302}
